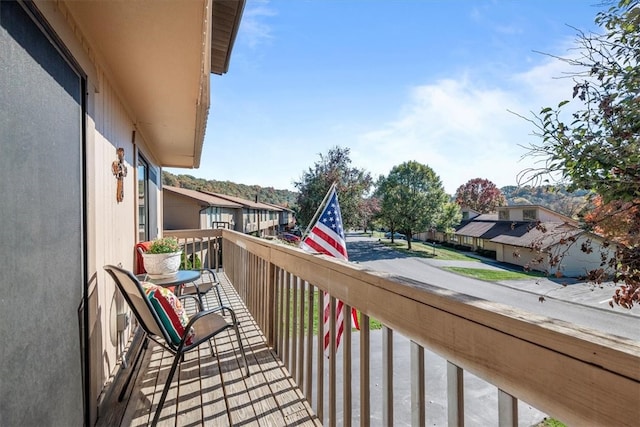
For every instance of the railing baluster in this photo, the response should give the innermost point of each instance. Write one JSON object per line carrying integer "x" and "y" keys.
{"x": 332, "y": 362}
{"x": 320, "y": 358}
{"x": 280, "y": 279}
{"x": 287, "y": 320}
{"x": 417, "y": 385}
{"x": 270, "y": 321}
{"x": 387, "y": 376}
{"x": 455, "y": 395}
{"x": 507, "y": 410}
{"x": 308, "y": 385}
{"x": 365, "y": 372}
{"x": 346, "y": 366}
{"x": 301, "y": 340}
{"x": 293, "y": 315}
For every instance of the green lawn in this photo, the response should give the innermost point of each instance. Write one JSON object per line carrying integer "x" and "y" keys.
{"x": 550, "y": 422}
{"x": 373, "y": 324}
{"x": 426, "y": 250}
{"x": 493, "y": 275}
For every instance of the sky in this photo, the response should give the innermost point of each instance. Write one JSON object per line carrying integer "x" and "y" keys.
{"x": 440, "y": 82}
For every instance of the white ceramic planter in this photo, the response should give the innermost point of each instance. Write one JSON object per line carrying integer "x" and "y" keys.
{"x": 162, "y": 265}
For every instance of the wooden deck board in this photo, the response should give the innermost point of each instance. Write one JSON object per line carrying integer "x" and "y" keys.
{"x": 210, "y": 390}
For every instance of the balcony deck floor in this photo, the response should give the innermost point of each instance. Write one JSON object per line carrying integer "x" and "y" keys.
{"x": 210, "y": 390}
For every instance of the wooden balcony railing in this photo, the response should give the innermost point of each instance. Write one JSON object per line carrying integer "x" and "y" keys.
{"x": 577, "y": 375}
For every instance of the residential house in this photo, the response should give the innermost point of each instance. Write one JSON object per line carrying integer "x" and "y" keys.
{"x": 92, "y": 108}
{"x": 259, "y": 219}
{"x": 192, "y": 209}
{"x": 435, "y": 235}
{"x": 535, "y": 237}
{"x": 189, "y": 209}
{"x": 286, "y": 218}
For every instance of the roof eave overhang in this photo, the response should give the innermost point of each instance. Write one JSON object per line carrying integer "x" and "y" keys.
{"x": 158, "y": 58}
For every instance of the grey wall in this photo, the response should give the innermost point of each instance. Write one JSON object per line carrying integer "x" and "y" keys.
{"x": 41, "y": 228}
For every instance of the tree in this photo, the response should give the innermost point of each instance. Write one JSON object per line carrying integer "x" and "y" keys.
{"x": 413, "y": 198}
{"x": 370, "y": 209}
{"x": 481, "y": 195}
{"x": 352, "y": 185}
{"x": 593, "y": 140}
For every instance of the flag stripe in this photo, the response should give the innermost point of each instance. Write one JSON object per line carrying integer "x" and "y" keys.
{"x": 335, "y": 247}
{"x": 327, "y": 237}
{"x": 325, "y": 246}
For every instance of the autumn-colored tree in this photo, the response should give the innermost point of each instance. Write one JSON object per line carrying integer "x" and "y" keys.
{"x": 619, "y": 221}
{"x": 369, "y": 210}
{"x": 593, "y": 140}
{"x": 481, "y": 195}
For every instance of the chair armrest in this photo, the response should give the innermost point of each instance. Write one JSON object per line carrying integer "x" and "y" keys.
{"x": 185, "y": 296}
{"x": 204, "y": 313}
{"x": 212, "y": 275}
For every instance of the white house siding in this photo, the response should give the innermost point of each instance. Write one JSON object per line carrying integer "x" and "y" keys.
{"x": 574, "y": 262}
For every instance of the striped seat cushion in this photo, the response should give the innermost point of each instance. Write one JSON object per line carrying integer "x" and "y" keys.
{"x": 170, "y": 311}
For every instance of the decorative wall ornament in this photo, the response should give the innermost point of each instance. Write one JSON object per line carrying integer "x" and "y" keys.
{"x": 119, "y": 170}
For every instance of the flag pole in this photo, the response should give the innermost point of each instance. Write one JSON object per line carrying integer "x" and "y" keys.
{"x": 315, "y": 216}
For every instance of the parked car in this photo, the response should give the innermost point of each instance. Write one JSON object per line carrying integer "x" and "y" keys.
{"x": 396, "y": 235}
{"x": 290, "y": 237}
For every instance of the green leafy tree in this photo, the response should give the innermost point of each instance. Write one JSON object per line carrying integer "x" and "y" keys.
{"x": 413, "y": 198}
{"x": 593, "y": 140}
{"x": 388, "y": 197}
{"x": 352, "y": 185}
{"x": 481, "y": 195}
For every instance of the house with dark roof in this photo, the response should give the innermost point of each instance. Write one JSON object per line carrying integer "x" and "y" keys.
{"x": 286, "y": 218}
{"x": 534, "y": 237}
{"x": 194, "y": 209}
{"x": 186, "y": 209}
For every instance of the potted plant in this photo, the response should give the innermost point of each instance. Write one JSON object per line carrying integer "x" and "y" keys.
{"x": 162, "y": 259}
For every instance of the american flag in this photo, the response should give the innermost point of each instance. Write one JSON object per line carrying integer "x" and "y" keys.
{"x": 327, "y": 237}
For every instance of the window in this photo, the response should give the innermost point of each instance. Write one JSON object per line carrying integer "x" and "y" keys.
{"x": 529, "y": 214}
{"x": 503, "y": 214}
{"x": 143, "y": 200}
{"x": 465, "y": 215}
{"x": 148, "y": 189}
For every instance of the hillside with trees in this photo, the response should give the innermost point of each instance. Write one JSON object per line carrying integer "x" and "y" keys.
{"x": 284, "y": 198}
{"x": 556, "y": 198}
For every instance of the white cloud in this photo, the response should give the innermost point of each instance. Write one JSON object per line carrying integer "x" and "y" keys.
{"x": 464, "y": 129}
{"x": 254, "y": 28}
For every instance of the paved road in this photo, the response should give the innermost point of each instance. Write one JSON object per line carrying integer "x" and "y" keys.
{"x": 577, "y": 303}
{"x": 481, "y": 403}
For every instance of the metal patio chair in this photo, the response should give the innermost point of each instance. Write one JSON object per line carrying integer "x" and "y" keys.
{"x": 208, "y": 280}
{"x": 206, "y": 324}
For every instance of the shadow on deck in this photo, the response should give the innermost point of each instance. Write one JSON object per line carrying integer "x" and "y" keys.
{"x": 210, "y": 390}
